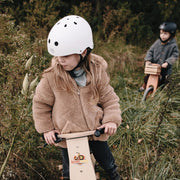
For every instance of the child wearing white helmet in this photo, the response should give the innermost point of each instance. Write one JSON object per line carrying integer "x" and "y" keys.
{"x": 74, "y": 94}
{"x": 164, "y": 51}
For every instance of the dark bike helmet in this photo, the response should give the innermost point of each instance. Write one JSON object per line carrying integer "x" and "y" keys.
{"x": 169, "y": 27}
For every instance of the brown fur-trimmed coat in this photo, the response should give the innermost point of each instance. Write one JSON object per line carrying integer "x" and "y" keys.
{"x": 58, "y": 109}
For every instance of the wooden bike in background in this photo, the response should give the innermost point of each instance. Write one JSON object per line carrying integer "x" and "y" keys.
{"x": 154, "y": 71}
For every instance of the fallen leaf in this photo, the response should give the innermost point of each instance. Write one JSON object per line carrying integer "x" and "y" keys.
{"x": 114, "y": 146}
{"x": 60, "y": 167}
{"x": 140, "y": 140}
{"x": 146, "y": 168}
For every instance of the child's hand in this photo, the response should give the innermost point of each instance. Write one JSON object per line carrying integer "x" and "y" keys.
{"x": 110, "y": 128}
{"x": 50, "y": 136}
{"x": 164, "y": 65}
{"x": 148, "y": 63}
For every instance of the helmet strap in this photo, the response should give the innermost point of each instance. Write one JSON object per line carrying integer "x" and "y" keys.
{"x": 82, "y": 59}
{"x": 171, "y": 36}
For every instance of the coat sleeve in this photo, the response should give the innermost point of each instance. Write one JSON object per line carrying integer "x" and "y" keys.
{"x": 109, "y": 101}
{"x": 174, "y": 56}
{"x": 43, "y": 101}
{"x": 150, "y": 52}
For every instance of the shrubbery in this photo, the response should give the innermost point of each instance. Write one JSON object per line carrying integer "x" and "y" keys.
{"x": 146, "y": 144}
{"x": 136, "y": 21}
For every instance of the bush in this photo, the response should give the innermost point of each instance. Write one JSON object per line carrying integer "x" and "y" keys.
{"x": 146, "y": 144}
{"x": 21, "y": 150}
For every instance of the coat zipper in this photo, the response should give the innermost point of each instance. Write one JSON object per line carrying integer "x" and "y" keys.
{"x": 78, "y": 92}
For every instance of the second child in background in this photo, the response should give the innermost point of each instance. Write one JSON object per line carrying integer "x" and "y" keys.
{"x": 164, "y": 51}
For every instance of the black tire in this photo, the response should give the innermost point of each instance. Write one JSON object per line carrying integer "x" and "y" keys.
{"x": 147, "y": 91}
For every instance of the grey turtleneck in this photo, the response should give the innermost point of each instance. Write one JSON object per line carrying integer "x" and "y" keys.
{"x": 80, "y": 77}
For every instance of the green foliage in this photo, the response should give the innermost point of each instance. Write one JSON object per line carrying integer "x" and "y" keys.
{"x": 147, "y": 142}
{"x": 114, "y": 20}
{"x": 136, "y": 31}
{"x": 84, "y": 9}
{"x": 40, "y": 17}
{"x": 16, "y": 114}
{"x": 136, "y": 21}
{"x": 169, "y": 9}
{"x": 146, "y": 145}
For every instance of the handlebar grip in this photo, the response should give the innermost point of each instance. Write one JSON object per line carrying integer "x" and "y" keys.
{"x": 56, "y": 141}
{"x": 98, "y": 132}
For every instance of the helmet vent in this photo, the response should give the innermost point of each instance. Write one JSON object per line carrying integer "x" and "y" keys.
{"x": 69, "y": 35}
{"x": 56, "y": 43}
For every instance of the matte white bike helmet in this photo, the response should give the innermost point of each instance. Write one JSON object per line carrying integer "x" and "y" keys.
{"x": 70, "y": 35}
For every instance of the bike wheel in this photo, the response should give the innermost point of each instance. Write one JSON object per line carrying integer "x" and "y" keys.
{"x": 147, "y": 92}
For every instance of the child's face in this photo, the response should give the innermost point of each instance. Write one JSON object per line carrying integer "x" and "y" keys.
{"x": 69, "y": 62}
{"x": 164, "y": 35}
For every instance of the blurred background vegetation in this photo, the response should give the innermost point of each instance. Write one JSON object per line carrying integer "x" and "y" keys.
{"x": 146, "y": 145}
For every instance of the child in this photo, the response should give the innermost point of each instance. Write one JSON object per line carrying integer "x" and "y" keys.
{"x": 164, "y": 51}
{"x": 74, "y": 94}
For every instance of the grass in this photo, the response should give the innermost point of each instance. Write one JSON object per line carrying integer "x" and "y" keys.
{"x": 146, "y": 145}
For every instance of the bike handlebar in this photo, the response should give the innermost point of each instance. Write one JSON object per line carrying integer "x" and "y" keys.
{"x": 96, "y": 133}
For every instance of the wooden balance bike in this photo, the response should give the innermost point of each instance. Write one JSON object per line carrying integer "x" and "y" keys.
{"x": 80, "y": 163}
{"x": 154, "y": 71}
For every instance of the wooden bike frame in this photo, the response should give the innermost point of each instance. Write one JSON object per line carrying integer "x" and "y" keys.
{"x": 154, "y": 71}
{"x": 80, "y": 161}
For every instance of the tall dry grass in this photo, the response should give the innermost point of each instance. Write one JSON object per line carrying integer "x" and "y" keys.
{"x": 146, "y": 145}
